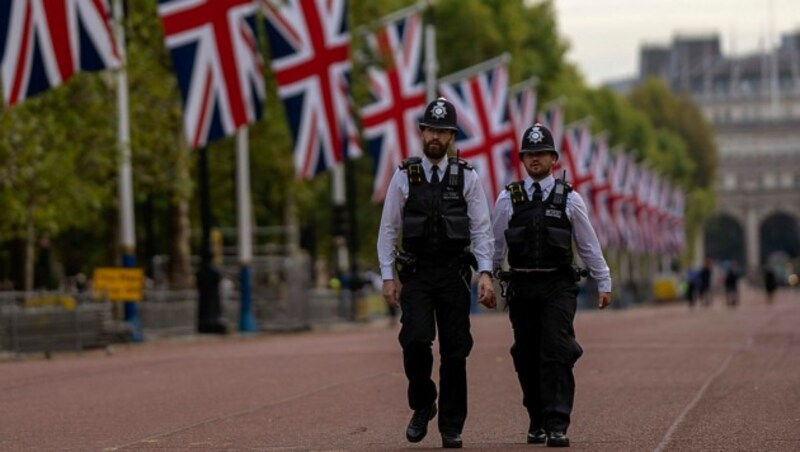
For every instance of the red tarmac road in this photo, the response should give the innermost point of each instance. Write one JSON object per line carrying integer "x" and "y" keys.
{"x": 656, "y": 378}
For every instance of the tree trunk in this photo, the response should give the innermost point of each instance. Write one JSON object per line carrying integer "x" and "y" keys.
{"x": 181, "y": 275}
{"x": 30, "y": 240}
{"x": 180, "y": 250}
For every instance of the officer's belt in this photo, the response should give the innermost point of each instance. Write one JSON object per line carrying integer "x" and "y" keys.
{"x": 537, "y": 274}
{"x": 439, "y": 261}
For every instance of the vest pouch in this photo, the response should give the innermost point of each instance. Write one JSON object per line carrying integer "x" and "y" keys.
{"x": 559, "y": 238}
{"x": 414, "y": 227}
{"x": 516, "y": 235}
{"x": 456, "y": 227}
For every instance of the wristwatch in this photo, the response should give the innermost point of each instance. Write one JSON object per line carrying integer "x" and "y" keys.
{"x": 486, "y": 272}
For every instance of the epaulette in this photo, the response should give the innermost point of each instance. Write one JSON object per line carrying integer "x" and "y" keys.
{"x": 413, "y": 166}
{"x": 516, "y": 190}
{"x": 461, "y": 162}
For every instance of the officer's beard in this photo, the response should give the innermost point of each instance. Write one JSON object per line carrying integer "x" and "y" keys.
{"x": 539, "y": 170}
{"x": 435, "y": 150}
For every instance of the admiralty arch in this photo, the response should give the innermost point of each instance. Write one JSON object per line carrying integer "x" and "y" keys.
{"x": 753, "y": 104}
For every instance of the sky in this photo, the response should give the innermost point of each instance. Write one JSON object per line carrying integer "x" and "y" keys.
{"x": 605, "y": 35}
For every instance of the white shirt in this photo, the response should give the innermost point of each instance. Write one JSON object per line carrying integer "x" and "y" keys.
{"x": 392, "y": 219}
{"x": 586, "y": 242}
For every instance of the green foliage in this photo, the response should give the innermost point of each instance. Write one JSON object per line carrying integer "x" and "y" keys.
{"x": 678, "y": 114}
{"x": 53, "y": 162}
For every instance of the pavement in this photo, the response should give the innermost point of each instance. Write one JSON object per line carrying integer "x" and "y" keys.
{"x": 652, "y": 378}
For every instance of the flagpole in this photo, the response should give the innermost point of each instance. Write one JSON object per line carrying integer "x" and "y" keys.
{"x": 338, "y": 198}
{"x": 503, "y": 58}
{"x": 431, "y": 63}
{"x": 247, "y": 321}
{"x": 125, "y": 178}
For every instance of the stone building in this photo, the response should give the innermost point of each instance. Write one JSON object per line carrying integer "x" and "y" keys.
{"x": 753, "y": 103}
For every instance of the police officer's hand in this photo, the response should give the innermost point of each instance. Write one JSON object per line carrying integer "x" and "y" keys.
{"x": 391, "y": 291}
{"x": 486, "y": 291}
{"x": 604, "y": 300}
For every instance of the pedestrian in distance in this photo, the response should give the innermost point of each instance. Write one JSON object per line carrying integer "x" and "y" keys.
{"x": 770, "y": 284}
{"x": 692, "y": 285}
{"x": 439, "y": 206}
{"x": 732, "y": 275}
{"x": 534, "y": 224}
{"x": 704, "y": 283}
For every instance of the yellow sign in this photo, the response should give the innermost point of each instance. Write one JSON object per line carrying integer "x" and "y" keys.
{"x": 118, "y": 284}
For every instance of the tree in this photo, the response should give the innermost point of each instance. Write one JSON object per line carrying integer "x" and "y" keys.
{"x": 57, "y": 162}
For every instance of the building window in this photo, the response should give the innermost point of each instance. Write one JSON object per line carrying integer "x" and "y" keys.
{"x": 729, "y": 181}
{"x": 787, "y": 180}
{"x": 770, "y": 181}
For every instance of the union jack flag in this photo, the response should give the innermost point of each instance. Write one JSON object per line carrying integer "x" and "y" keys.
{"x": 600, "y": 190}
{"x": 629, "y": 204}
{"x": 617, "y": 201}
{"x": 486, "y": 137}
{"x": 220, "y": 71}
{"x": 522, "y": 111}
{"x": 648, "y": 186}
{"x": 575, "y": 155}
{"x": 665, "y": 217}
{"x": 552, "y": 117}
{"x": 309, "y": 44}
{"x": 43, "y": 43}
{"x": 678, "y": 205}
{"x": 390, "y": 120}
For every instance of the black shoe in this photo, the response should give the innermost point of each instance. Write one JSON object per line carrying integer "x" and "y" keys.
{"x": 537, "y": 436}
{"x": 557, "y": 439}
{"x": 418, "y": 426}
{"x": 451, "y": 441}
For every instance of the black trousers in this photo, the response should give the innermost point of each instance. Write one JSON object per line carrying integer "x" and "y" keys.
{"x": 542, "y": 309}
{"x": 437, "y": 297}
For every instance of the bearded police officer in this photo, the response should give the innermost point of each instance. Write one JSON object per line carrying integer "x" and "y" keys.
{"x": 442, "y": 211}
{"x": 536, "y": 221}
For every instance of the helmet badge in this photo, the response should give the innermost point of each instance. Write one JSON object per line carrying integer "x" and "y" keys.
{"x": 438, "y": 110}
{"x": 535, "y": 135}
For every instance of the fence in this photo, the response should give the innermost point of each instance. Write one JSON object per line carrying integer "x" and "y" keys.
{"x": 52, "y": 321}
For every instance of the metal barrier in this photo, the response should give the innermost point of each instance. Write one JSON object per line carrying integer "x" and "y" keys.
{"x": 52, "y": 321}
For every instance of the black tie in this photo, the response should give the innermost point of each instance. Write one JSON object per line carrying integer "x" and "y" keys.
{"x": 537, "y": 193}
{"x": 435, "y": 175}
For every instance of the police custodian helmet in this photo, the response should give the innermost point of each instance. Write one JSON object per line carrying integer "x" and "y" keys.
{"x": 440, "y": 114}
{"x": 537, "y": 138}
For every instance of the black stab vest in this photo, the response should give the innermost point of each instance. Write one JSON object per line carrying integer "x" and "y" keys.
{"x": 435, "y": 219}
{"x": 539, "y": 238}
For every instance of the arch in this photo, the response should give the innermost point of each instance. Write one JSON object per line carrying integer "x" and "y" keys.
{"x": 779, "y": 234}
{"x": 724, "y": 238}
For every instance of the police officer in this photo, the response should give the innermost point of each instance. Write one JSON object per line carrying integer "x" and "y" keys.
{"x": 536, "y": 221}
{"x": 439, "y": 205}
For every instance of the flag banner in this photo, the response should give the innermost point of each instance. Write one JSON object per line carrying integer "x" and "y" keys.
{"x": 44, "y": 43}
{"x": 486, "y": 137}
{"x": 652, "y": 238}
{"x": 664, "y": 204}
{"x": 397, "y": 95}
{"x": 574, "y": 157}
{"x": 617, "y": 170}
{"x": 600, "y": 190}
{"x": 552, "y": 117}
{"x": 637, "y": 182}
{"x": 309, "y": 45}
{"x": 628, "y": 204}
{"x": 215, "y": 53}
{"x": 678, "y": 209}
{"x": 522, "y": 112}
{"x": 640, "y": 197}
